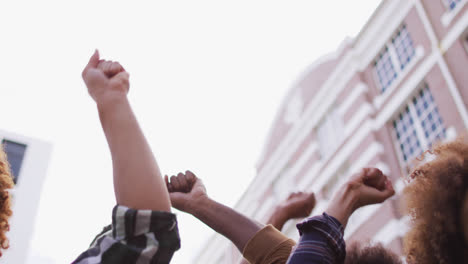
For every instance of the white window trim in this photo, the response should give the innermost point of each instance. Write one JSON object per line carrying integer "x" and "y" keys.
{"x": 449, "y": 15}
{"x": 333, "y": 115}
{"x": 417, "y": 126}
{"x": 401, "y": 75}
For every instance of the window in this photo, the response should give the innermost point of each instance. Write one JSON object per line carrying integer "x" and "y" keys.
{"x": 15, "y": 153}
{"x": 419, "y": 125}
{"x": 384, "y": 69}
{"x": 329, "y": 133}
{"x": 394, "y": 58}
{"x": 404, "y": 47}
{"x": 451, "y": 4}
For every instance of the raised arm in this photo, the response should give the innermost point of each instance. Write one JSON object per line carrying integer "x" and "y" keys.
{"x": 370, "y": 186}
{"x": 188, "y": 194}
{"x": 322, "y": 236}
{"x": 297, "y": 205}
{"x": 137, "y": 180}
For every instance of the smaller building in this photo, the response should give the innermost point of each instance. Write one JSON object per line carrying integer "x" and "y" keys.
{"x": 29, "y": 159}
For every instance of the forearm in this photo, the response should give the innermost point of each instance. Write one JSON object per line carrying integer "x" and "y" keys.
{"x": 137, "y": 179}
{"x": 226, "y": 221}
{"x": 343, "y": 205}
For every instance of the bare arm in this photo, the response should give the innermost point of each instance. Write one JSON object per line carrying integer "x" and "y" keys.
{"x": 188, "y": 194}
{"x": 370, "y": 186}
{"x": 297, "y": 205}
{"x": 137, "y": 179}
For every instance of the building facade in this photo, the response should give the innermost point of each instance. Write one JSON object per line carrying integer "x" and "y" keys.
{"x": 29, "y": 159}
{"x": 379, "y": 101}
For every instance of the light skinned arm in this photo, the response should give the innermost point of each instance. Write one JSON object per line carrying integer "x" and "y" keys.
{"x": 370, "y": 186}
{"x": 188, "y": 194}
{"x": 137, "y": 180}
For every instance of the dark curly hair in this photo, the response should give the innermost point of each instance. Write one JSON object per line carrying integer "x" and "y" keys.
{"x": 370, "y": 254}
{"x": 434, "y": 199}
{"x": 6, "y": 182}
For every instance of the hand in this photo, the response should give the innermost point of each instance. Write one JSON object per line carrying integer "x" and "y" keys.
{"x": 185, "y": 191}
{"x": 371, "y": 186}
{"x": 298, "y": 205}
{"x": 106, "y": 80}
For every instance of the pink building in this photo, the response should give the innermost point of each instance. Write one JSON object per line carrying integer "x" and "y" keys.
{"x": 380, "y": 100}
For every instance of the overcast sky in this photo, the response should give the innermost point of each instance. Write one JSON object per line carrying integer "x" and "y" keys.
{"x": 207, "y": 78}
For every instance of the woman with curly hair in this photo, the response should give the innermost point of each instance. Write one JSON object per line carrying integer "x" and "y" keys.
{"x": 6, "y": 182}
{"x": 435, "y": 200}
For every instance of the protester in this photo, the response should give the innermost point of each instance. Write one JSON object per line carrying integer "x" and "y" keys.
{"x": 436, "y": 200}
{"x": 6, "y": 183}
{"x": 321, "y": 236}
{"x": 143, "y": 230}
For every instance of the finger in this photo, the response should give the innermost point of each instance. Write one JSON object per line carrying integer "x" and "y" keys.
{"x": 106, "y": 66}
{"x": 375, "y": 178}
{"x": 177, "y": 200}
{"x": 122, "y": 76}
{"x": 184, "y": 185}
{"x": 377, "y": 196}
{"x": 389, "y": 185}
{"x": 116, "y": 68}
{"x": 175, "y": 184}
{"x": 190, "y": 176}
{"x": 92, "y": 63}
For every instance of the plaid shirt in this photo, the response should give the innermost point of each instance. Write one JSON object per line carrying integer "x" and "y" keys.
{"x": 321, "y": 241}
{"x": 135, "y": 237}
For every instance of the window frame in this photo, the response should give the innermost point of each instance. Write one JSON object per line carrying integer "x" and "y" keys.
{"x": 390, "y": 47}
{"x": 418, "y": 127}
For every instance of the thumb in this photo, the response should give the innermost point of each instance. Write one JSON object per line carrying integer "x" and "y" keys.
{"x": 122, "y": 77}
{"x": 178, "y": 200}
{"x": 93, "y": 62}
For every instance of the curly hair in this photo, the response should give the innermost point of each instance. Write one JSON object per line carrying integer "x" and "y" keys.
{"x": 370, "y": 254}
{"x": 6, "y": 182}
{"x": 434, "y": 199}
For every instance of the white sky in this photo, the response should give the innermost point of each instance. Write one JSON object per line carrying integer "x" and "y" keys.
{"x": 206, "y": 80}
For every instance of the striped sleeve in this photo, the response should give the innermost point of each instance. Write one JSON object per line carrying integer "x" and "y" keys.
{"x": 135, "y": 236}
{"x": 321, "y": 241}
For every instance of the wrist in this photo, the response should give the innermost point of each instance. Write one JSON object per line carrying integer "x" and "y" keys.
{"x": 197, "y": 206}
{"x": 110, "y": 101}
{"x": 344, "y": 204}
{"x": 278, "y": 218}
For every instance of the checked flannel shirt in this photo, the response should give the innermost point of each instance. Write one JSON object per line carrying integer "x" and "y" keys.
{"x": 321, "y": 241}
{"x": 135, "y": 237}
